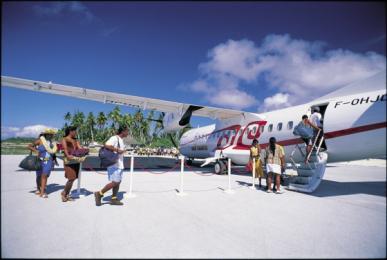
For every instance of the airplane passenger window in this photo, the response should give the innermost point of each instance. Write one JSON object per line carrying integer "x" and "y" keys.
{"x": 279, "y": 126}
{"x": 254, "y": 129}
{"x": 270, "y": 128}
{"x": 290, "y": 124}
{"x": 261, "y": 128}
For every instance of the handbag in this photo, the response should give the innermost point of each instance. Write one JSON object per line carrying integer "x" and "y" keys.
{"x": 303, "y": 131}
{"x": 80, "y": 152}
{"x": 249, "y": 166}
{"x": 108, "y": 157}
{"x": 31, "y": 163}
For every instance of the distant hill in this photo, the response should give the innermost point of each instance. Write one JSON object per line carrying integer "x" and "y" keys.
{"x": 19, "y": 140}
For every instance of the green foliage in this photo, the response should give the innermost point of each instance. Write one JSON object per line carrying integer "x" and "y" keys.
{"x": 100, "y": 127}
{"x": 19, "y": 140}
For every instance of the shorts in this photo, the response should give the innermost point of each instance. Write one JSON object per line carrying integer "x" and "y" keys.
{"x": 115, "y": 173}
{"x": 72, "y": 171}
{"x": 308, "y": 141}
{"x": 273, "y": 168}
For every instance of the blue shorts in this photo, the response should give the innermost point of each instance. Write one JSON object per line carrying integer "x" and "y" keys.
{"x": 114, "y": 173}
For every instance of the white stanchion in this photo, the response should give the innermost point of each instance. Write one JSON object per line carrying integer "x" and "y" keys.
{"x": 79, "y": 193}
{"x": 253, "y": 186}
{"x": 131, "y": 194}
{"x": 229, "y": 190}
{"x": 181, "y": 190}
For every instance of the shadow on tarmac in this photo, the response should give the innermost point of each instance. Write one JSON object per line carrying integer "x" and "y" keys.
{"x": 329, "y": 188}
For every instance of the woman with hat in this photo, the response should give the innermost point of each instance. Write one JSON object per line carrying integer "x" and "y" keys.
{"x": 46, "y": 150}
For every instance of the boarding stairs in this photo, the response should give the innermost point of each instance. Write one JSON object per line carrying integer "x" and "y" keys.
{"x": 310, "y": 174}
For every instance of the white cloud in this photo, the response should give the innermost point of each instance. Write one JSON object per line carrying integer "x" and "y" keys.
{"x": 298, "y": 70}
{"x": 27, "y": 131}
{"x": 276, "y": 101}
{"x": 59, "y": 8}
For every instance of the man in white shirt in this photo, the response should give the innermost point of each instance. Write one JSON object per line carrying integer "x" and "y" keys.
{"x": 114, "y": 144}
{"x": 315, "y": 118}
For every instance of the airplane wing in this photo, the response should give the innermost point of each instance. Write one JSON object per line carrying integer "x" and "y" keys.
{"x": 120, "y": 99}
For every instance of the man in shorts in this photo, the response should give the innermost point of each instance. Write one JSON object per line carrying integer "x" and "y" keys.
{"x": 114, "y": 144}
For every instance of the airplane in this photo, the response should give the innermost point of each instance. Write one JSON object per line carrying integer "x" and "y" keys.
{"x": 354, "y": 126}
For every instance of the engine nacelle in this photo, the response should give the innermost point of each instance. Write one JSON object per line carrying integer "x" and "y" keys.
{"x": 171, "y": 122}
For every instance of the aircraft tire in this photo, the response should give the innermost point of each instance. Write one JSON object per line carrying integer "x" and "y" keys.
{"x": 189, "y": 162}
{"x": 219, "y": 167}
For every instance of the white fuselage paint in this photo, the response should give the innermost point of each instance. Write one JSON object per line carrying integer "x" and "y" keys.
{"x": 354, "y": 127}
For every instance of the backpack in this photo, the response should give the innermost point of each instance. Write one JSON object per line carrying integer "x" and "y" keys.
{"x": 303, "y": 131}
{"x": 107, "y": 157}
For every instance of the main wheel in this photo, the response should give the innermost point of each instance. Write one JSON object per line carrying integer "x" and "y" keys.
{"x": 189, "y": 162}
{"x": 219, "y": 167}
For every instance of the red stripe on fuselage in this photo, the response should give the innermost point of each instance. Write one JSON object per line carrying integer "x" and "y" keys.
{"x": 329, "y": 135}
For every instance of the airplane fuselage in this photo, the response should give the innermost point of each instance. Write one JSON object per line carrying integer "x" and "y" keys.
{"x": 357, "y": 120}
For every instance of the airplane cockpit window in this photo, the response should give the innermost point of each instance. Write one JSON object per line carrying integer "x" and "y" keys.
{"x": 290, "y": 125}
{"x": 279, "y": 126}
{"x": 270, "y": 128}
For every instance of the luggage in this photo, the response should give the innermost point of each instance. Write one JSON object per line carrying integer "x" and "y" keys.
{"x": 107, "y": 157}
{"x": 80, "y": 152}
{"x": 31, "y": 163}
{"x": 249, "y": 166}
{"x": 303, "y": 131}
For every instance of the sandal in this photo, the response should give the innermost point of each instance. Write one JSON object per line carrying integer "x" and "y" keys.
{"x": 44, "y": 196}
{"x": 37, "y": 192}
{"x": 69, "y": 198}
{"x": 64, "y": 198}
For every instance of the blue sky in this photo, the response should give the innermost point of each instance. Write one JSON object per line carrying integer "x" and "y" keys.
{"x": 253, "y": 56}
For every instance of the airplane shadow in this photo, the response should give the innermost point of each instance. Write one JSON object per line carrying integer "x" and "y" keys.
{"x": 328, "y": 188}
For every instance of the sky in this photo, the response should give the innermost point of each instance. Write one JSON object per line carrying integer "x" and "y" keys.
{"x": 250, "y": 56}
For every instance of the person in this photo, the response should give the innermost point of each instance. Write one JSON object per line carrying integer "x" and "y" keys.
{"x": 46, "y": 149}
{"x": 282, "y": 170}
{"x": 114, "y": 144}
{"x": 308, "y": 140}
{"x": 275, "y": 163}
{"x": 315, "y": 119}
{"x": 255, "y": 154}
{"x": 71, "y": 163}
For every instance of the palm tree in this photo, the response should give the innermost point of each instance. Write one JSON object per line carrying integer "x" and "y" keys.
{"x": 78, "y": 121}
{"x": 101, "y": 120}
{"x": 90, "y": 122}
{"x": 67, "y": 117}
{"x": 115, "y": 116}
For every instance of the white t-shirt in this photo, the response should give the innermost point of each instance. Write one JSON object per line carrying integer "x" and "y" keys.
{"x": 315, "y": 118}
{"x": 113, "y": 141}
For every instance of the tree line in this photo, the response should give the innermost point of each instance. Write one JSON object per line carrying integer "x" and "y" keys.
{"x": 100, "y": 127}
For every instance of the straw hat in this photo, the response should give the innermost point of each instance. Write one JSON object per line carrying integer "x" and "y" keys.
{"x": 49, "y": 131}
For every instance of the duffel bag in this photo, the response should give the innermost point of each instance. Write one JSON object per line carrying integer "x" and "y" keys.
{"x": 31, "y": 163}
{"x": 107, "y": 157}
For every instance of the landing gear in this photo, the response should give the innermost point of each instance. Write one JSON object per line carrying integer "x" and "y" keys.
{"x": 189, "y": 162}
{"x": 220, "y": 167}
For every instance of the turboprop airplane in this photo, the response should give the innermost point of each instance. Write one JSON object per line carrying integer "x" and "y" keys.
{"x": 354, "y": 126}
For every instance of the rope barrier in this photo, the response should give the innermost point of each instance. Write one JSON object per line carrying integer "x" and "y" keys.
{"x": 153, "y": 172}
{"x": 196, "y": 172}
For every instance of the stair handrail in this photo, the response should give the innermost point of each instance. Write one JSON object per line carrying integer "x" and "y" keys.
{"x": 313, "y": 146}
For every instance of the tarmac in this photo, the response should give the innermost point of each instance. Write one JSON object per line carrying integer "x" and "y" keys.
{"x": 344, "y": 218}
